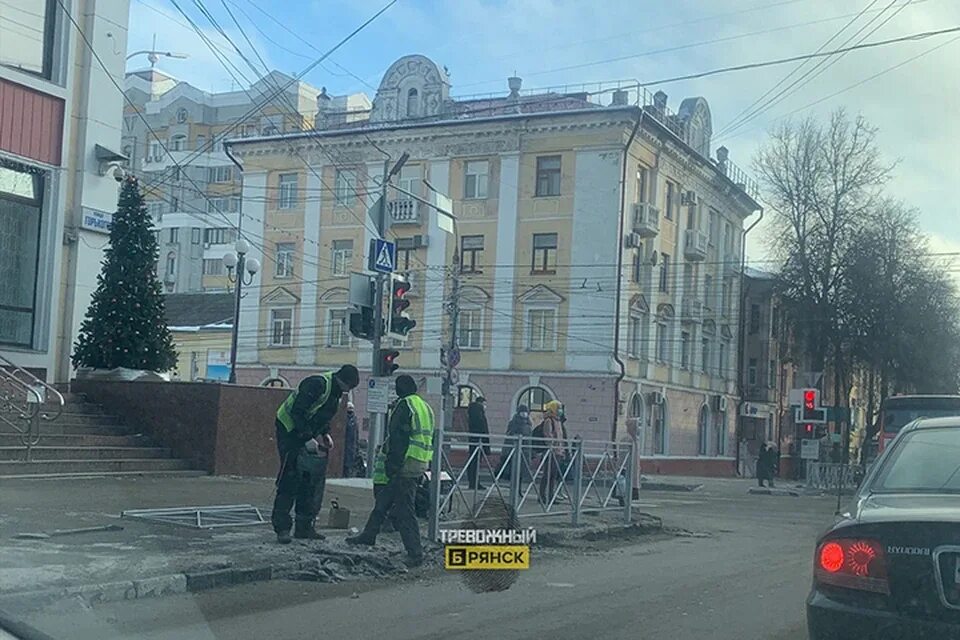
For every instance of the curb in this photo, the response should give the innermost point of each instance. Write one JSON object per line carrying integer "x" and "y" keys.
{"x": 774, "y": 492}
{"x": 666, "y": 486}
{"x": 152, "y": 587}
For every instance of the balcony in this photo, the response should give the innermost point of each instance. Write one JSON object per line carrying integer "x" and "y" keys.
{"x": 691, "y": 309}
{"x": 695, "y": 245}
{"x": 404, "y": 211}
{"x": 646, "y": 219}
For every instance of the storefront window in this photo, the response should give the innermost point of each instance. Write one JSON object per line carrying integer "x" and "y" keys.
{"x": 21, "y": 195}
{"x": 26, "y": 35}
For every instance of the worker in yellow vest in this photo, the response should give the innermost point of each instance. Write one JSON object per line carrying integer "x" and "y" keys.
{"x": 409, "y": 450}
{"x": 304, "y": 443}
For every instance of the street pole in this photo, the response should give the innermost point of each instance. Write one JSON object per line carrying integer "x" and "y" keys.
{"x": 375, "y": 434}
{"x": 235, "y": 334}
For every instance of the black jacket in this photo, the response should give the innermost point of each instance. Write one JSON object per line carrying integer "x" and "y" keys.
{"x": 309, "y": 391}
{"x": 398, "y": 434}
{"x": 477, "y": 418}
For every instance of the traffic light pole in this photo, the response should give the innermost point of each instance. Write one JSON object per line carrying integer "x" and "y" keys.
{"x": 375, "y": 435}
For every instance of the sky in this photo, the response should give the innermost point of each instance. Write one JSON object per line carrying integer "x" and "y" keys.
{"x": 913, "y": 100}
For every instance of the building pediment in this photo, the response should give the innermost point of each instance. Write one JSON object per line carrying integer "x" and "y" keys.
{"x": 281, "y": 296}
{"x": 541, "y": 294}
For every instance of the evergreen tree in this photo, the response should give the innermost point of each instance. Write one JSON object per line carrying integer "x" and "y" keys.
{"x": 125, "y": 325}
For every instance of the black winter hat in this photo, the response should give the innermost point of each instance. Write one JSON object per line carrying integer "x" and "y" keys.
{"x": 406, "y": 386}
{"x": 349, "y": 375}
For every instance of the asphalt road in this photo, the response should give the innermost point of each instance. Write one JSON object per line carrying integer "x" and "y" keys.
{"x": 745, "y": 580}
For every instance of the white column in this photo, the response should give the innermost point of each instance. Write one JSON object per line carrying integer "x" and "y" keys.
{"x": 254, "y": 186}
{"x": 594, "y": 241}
{"x": 310, "y": 256}
{"x": 503, "y": 288}
{"x": 435, "y": 273}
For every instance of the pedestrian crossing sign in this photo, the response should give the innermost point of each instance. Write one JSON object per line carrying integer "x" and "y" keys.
{"x": 383, "y": 256}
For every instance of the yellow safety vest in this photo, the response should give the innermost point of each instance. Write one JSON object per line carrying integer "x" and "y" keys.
{"x": 380, "y": 465}
{"x": 283, "y": 413}
{"x": 421, "y": 432}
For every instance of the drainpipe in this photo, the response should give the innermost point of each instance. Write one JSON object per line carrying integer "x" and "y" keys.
{"x": 616, "y": 321}
{"x": 741, "y": 340}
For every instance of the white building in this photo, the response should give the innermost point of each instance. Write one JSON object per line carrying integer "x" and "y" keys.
{"x": 60, "y": 120}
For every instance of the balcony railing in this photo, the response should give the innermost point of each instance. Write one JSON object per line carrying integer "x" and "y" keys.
{"x": 695, "y": 245}
{"x": 691, "y": 309}
{"x": 404, "y": 211}
{"x": 646, "y": 219}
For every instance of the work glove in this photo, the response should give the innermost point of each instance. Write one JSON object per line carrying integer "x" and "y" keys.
{"x": 312, "y": 445}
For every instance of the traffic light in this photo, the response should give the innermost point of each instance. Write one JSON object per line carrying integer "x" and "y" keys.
{"x": 361, "y": 323}
{"x": 399, "y": 323}
{"x": 361, "y": 296}
{"x": 810, "y": 410}
{"x": 808, "y": 431}
{"x": 387, "y": 362}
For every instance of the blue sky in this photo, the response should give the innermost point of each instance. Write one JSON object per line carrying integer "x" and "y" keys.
{"x": 484, "y": 41}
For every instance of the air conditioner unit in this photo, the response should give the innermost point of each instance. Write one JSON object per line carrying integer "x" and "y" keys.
{"x": 688, "y": 198}
{"x": 633, "y": 240}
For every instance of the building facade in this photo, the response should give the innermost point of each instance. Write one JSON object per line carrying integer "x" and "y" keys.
{"x": 193, "y": 186}
{"x": 598, "y": 242}
{"x": 60, "y": 121}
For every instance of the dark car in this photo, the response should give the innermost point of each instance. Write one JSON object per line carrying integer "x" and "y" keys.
{"x": 890, "y": 567}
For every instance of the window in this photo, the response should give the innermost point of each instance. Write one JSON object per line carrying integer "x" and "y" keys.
{"x": 156, "y": 152}
{"x": 403, "y": 258}
{"x": 223, "y": 205}
{"x": 413, "y": 103}
{"x": 285, "y": 252}
{"x": 752, "y": 372}
{"x": 705, "y": 354}
{"x": 338, "y": 335}
{"x": 703, "y": 431}
{"x": 728, "y": 300}
{"x": 409, "y": 180}
{"x": 775, "y": 322}
{"x": 475, "y": 179}
{"x": 346, "y": 187}
{"x": 671, "y": 200}
{"x": 201, "y": 141}
{"x": 714, "y": 226}
{"x": 171, "y": 264}
{"x": 182, "y": 115}
{"x": 724, "y": 294}
{"x": 173, "y": 235}
{"x": 21, "y": 206}
{"x": 288, "y": 191}
{"x": 465, "y": 395}
{"x": 754, "y": 318}
{"x": 468, "y": 333}
{"x": 772, "y": 374}
{"x": 722, "y": 360}
{"x": 534, "y": 398}
{"x": 219, "y": 174}
{"x": 342, "y": 257}
{"x": 542, "y": 329}
{"x": 213, "y": 267}
{"x": 685, "y": 349}
{"x": 155, "y": 208}
{"x": 643, "y": 181}
{"x": 707, "y": 290}
{"x": 635, "y": 336}
{"x": 27, "y": 36}
{"x": 219, "y": 235}
{"x": 548, "y": 176}
{"x": 637, "y": 274}
{"x": 196, "y": 236}
{"x": 178, "y": 143}
{"x": 721, "y": 433}
{"x": 249, "y": 130}
{"x": 544, "y": 253}
{"x": 658, "y": 424}
{"x": 174, "y": 203}
{"x": 471, "y": 254}
{"x": 663, "y": 342}
{"x": 281, "y": 327}
{"x": 664, "y": 272}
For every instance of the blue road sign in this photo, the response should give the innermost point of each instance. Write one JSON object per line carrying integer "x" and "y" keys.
{"x": 384, "y": 258}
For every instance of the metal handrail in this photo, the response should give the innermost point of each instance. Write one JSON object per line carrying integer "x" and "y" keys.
{"x": 24, "y": 395}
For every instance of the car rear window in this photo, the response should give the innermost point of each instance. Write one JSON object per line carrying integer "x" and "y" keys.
{"x": 896, "y": 419}
{"x": 924, "y": 460}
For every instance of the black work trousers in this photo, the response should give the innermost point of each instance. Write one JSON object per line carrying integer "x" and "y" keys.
{"x": 475, "y": 468}
{"x": 396, "y": 501}
{"x": 300, "y": 486}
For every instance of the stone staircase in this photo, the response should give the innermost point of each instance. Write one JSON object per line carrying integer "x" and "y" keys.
{"x": 86, "y": 441}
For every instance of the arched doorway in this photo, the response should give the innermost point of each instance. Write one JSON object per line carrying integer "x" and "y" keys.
{"x": 703, "y": 431}
{"x": 465, "y": 395}
{"x": 658, "y": 426}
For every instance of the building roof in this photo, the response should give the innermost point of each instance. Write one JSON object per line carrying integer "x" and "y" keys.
{"x": 758, "y": 274}
{"x": 196, "y": 311}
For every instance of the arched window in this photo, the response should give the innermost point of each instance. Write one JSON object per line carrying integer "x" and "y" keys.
{"x": 658, "y": 426}
{"x": 171, "y": 263}
{"x": 177, "y": 143}
{"x": 465, "y": 395}
{"x": 664, "y": 333}
{"x": 635, "y": 416}
{"x": 412, "y": 103}
{"x": 721, "y": 433}
{"x": 703, "y": 430}
{"x": 534, "y": 398}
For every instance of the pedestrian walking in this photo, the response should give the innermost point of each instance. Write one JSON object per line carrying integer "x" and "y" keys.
{"x": 304, "y": 442}
{"x": 479, "y": 430}
{"x": 552, "y": 431}
{"x": 350, "y": 442}
{"x": 767, "y": 464}
{"x": 408, "y": 450}
{"x": 518, "y": 427}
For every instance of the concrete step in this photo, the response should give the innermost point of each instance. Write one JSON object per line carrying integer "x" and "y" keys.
{"x": 79, "y": 440}
{"x": 94, "y": 474}
{"x": 61, "y": 428}
{"x": 42, "y": 452}
{"x": 46, "y": 467}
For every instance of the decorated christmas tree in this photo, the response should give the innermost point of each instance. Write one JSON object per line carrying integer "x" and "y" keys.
{"x": 125, "y": 325}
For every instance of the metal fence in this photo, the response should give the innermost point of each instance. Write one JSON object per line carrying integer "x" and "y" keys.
{"x": 535, "y": 477}
{"x": 831, "y": 475}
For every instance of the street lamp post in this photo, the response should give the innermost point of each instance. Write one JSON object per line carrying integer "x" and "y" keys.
{"x": 154, "y": 56}
{"x": 240, "y": 271}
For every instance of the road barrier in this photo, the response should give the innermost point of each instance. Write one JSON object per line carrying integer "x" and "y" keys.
{"x": 830, "y": 475}
{"x": 534, "y": 477}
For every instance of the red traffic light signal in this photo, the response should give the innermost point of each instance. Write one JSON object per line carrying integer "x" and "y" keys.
{"x": 811, "y": 411}
{"x": 400, "y": 323}
{"x": 808, "y": 430}
{"x": 809, "y": 399}
{"x": 387, "y": 362}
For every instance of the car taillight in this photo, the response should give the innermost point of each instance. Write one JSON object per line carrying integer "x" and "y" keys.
{"x": 852, "y": 563}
